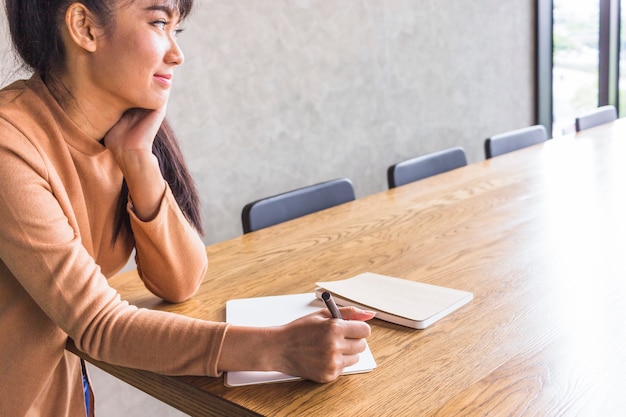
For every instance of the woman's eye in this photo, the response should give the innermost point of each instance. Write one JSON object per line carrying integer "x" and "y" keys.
{"x": 160, "y": 24}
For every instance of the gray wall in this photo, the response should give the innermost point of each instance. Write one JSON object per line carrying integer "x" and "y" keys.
{"x": 277, "y": 94}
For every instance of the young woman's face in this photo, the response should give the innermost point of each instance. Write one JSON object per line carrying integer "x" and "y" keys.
{"x": 135, "y": 61}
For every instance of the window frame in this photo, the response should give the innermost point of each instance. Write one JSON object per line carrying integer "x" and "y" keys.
{"x": 608, "y": 64}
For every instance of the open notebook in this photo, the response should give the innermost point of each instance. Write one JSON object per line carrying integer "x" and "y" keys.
{"x": 408, "y": 303}
{"x": 274, "y": 311}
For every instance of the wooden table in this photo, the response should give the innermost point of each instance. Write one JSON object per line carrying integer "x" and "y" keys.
{"x": 539, "y": 237}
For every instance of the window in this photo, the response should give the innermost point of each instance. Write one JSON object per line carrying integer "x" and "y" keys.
{"x": 578, "y": 60}
{"x": 575, "y": 34}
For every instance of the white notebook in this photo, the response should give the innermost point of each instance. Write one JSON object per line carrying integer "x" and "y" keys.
{"x": 408, "y": 303}
{"x": 275, "y": 311}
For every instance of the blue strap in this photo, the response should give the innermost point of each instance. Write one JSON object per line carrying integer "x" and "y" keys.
{"x": 86, "y": 389}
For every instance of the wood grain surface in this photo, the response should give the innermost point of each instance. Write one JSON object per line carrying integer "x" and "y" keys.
{"x": 539, "y": 237}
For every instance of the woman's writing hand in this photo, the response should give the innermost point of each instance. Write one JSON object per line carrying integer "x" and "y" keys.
{"x": 313, "y": 347}
{"x": 318, "y": 348}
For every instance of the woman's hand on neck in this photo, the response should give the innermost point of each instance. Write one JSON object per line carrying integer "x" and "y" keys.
{"x": 130, "y": 140}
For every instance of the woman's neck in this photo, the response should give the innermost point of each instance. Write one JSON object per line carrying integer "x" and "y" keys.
{"x": 93, "y": 117}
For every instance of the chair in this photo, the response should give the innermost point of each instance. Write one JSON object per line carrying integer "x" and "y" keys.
{"x": 514, "y": 140}
{"x": 596, "y": 117}
{"x": 279, "y": 208}
{"x": 425, "y": 166}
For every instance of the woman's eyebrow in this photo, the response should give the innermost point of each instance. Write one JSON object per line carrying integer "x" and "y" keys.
{"x": 162, "y": 8}
{"x": 171, "y": 12}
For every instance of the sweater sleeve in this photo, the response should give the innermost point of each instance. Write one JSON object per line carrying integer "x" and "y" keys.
{"x": 41, "y": 246}
{"x": 175, "y": 257}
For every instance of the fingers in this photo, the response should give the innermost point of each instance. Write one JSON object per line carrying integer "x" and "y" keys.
{"x": 318, "y": 348}
{"x": 354, "y": 313}
{"x": 135, "y": 130}
{"x": 333, "y": 372}
{"x": 349, "y": 360}
{"x": 353, "y": 329}
{"x": 338, "y": 362}
{"x": 353, "y": 347}
{"x": 346, "y": 341}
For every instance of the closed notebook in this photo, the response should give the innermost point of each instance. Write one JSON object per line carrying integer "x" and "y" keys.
{"x": 275, "y": 311}
{"x": 408, "y": 303}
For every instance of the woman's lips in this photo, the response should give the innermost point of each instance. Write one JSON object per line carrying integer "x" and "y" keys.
{"x": 165, "y": 79}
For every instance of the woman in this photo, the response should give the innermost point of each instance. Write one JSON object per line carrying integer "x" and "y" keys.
{"x": 89, "y": 170}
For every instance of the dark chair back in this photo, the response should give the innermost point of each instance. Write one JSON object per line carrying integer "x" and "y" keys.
{"x": 514, "y": 140}
{"x": 296, "y": 203}
{"x": 425, "y": 166}
{"x": 599, "y": 116}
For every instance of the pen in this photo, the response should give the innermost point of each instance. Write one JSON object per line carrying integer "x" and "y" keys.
{"x": 332, "y": 307}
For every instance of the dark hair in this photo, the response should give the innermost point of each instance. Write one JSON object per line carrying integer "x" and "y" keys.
{"x": 34, "y": 27}
{"x": 35, "y": 32}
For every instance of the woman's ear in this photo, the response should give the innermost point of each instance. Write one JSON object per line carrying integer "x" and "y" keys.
{"x": 82, "y": 26}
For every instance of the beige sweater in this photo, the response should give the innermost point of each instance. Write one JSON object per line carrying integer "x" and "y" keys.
{"x": 58, "y": 193}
